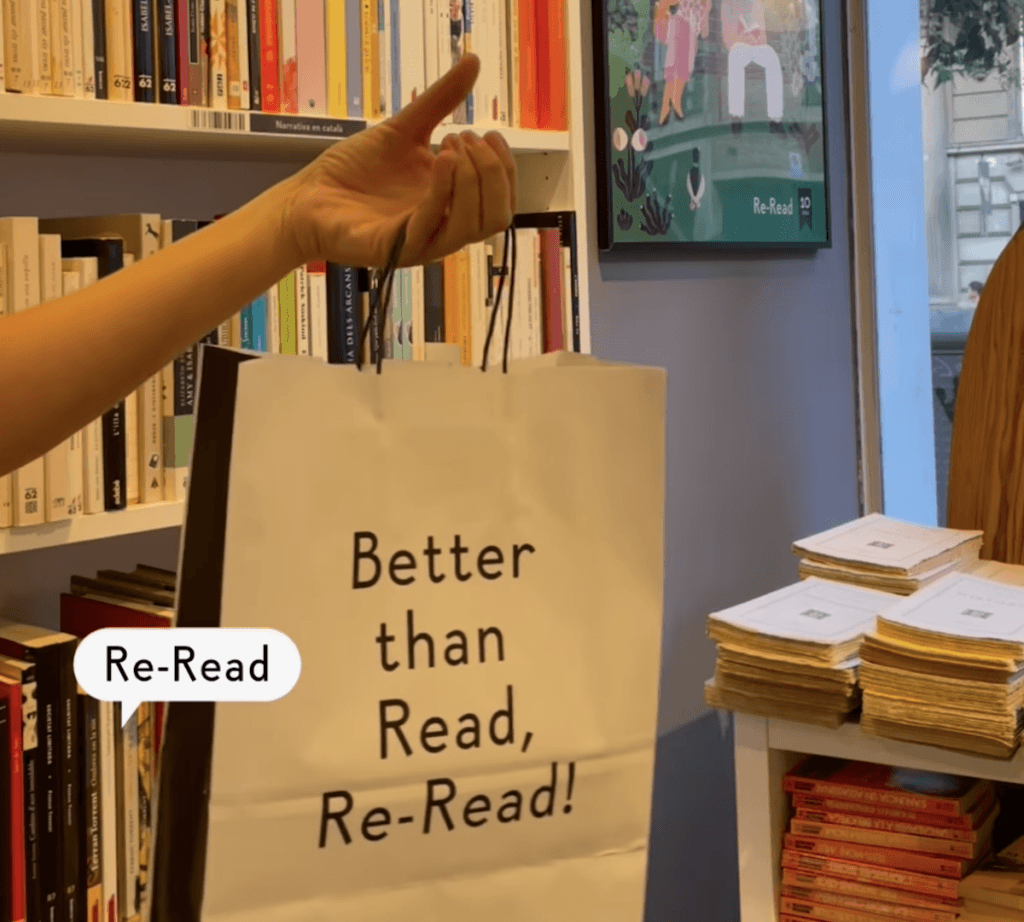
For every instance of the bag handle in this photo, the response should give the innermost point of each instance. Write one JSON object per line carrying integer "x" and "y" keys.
{"x": 382, "y": 295}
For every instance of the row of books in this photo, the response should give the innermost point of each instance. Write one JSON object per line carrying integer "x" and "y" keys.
{"x": 138, "y": 452}
{"x": 942, "y": 665}
{"x": 871, "y": 842}
{"x": 76, "y": 787}
{"x": 347, "y": 59}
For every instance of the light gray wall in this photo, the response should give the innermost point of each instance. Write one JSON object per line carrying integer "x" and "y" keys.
{"x": 761, "y": 450}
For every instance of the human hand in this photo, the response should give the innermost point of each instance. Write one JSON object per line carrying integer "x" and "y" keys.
{"x": 349, "y": 204}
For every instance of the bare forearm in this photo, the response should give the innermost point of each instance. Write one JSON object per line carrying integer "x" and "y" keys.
{"x": 66, "y": 362}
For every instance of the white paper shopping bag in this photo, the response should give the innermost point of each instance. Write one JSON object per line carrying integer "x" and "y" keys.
{"x": 471, "y": 568}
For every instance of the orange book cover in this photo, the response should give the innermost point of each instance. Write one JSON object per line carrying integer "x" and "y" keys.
{"x": 552, "y": 85}
{"x": 936, "y": 865}
{"x": 859, "y": 821}
{"x": 897, "y": 879}
{"x": 796, "y": 882}
{"x": 465, "y": 320}
{"x": 528, "y": 62}
{"x": 809, "y": 803}
{"x": 836, "y": 907}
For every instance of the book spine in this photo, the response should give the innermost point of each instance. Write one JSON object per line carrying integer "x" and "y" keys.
{"x": 819, "y": 804}
{"x": 114, "y": 458}
{"x": 258, "y": 316}
{"x": 274, "y": 320}
{"x": 289, "y": 57}
{"x": 289, "y": 320}
{"x": 48, "y": 676}
{"x": 183, "y": 49}
{"x": 85, "y": 13}
{"x": 151, "y": 447}
{"x": 245, "y": 327}
{"x": 514, "y": 63}
{"x": 91, "y": 873}
{"x": 18, "y": 901}
{"x": 99, "y": 43}
{"x": 884, "y": 839}
{"x": 120, "y": 68}
{"x": 44, "y": 51}
{"x": 108, "y": 811}
{"x": 130, "y": 816}
{"x": 143, "y": 47}
{"x": 394, "y": 56}
{"x": 303, "y": 345}
{"x": 367, "y": 37}
{"x": 551, "y": 280}
{"x": 887, "y": 857}
{"x": 231, "y": 43}
{"x": 69, "y": 783}
{"x": 409, "y": 36}
{"x": 316, "y": 273}
{"x": 353, "y": 57}
{"x": 63, "y": 49}
{"x": 218, "y": 58}
{"x": 852, "y": 909}
{"x": 886, "y": 825}
{"x": 270, "y": 75}
{"x": 901, "y": 799}
{"x": 77, "y": 40}
{"x": 20, "y": 27}
{"x": 434, "y": 306}
{"x": 6, "y": 847}
{"x": 896, "y": 878}
{"x": 168, "y": 54}
{"x": 252, "y": 18}
{"x": 337, "y": 85}
{"x": 431, "y": 63}
{"x": 311, "y": 51}
{"x": 813, "y": 881}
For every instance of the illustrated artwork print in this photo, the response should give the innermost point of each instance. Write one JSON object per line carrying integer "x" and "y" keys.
{"x": 714, "y": 123}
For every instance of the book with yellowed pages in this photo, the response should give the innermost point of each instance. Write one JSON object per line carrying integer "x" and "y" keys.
{"x": 887, "y": 553}
{"x": 945, "y": 667}
{"x": 793, "y": 653}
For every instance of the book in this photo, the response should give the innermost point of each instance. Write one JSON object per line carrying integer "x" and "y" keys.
{"x": 999, "y": 881}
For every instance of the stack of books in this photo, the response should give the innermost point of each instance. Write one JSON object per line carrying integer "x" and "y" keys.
{"x": 945, "y": 667}
{"x": 870, "y": 842}
{"x": 995, "y": 892}
{"x": 78, "y": 787}
{"x": 884, "y": 553}
{"x": 794, "y": 653}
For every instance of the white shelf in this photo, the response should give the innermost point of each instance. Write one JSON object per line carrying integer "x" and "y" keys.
{"x": 50, "y": 124}
{"x": 766, "y": 748}
{"x": 81, "y": 528}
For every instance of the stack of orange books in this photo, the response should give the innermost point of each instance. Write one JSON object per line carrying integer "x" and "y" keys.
{"x": 870, "y": 843}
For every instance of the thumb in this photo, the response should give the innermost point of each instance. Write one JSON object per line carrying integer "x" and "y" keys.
{"x": 418, "y": 119}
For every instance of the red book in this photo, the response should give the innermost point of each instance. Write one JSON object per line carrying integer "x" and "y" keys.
{"x": 551, "y": 288}
{"x": 878, "y": 875}
{"x": 881, "y": 785}
{"x": 270, "y": 62}
{"x": 11, "y": 690}
{"x": 528, "y": 37}
{"x": 806, "y": 804}
{"x": 932, "y": 865}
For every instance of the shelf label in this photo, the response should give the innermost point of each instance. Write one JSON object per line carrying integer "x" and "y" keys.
{"x": 272, "y": 123}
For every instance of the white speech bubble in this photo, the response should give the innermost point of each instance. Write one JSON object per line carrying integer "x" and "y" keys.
{"x": 132, "y": 665}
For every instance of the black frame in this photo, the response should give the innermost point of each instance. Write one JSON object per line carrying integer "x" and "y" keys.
{"x": 660, "y": 249}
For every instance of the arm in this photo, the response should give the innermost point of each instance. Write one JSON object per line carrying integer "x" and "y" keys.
{"x": 67, "y": 362}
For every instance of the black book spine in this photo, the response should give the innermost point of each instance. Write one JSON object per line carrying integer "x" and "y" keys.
{"x": 91, "y": 852}
{"x": 115, "y": 462}
{"x": 433, "y": 303}
{"x": 252, "y": 17}
{"x": 168, "y": 51}
{"x": 335, "y": 314}
{"x": 6, "y": 846}
{"x": 69, "y": 783}
{"x": 48, "y": 672}
{"x": 142, "y": 19}
{"x": 352, "y": 326}
{"x": 99, "y": 39}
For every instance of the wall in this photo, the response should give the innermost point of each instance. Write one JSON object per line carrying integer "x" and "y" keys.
{"x": 761, "y": 450}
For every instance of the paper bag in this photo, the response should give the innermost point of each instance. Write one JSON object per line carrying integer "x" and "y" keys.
{"x": 471, "y": 567}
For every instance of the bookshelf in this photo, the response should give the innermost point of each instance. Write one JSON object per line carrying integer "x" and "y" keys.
{"x": 765, "y": 749}
{"x": 65, "y": 156}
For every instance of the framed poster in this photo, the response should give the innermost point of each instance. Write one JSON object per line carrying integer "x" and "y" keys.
{"x": 711, "y": 125}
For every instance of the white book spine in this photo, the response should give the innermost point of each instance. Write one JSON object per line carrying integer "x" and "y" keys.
{"x": 88, "y": 49}
{"x": 44, "y": 37}
{"x": 477, "y": 307}
{"x": 302, "y": 310}
{"x": 418, "y": 319}
{"x": 167, "y": 412}
{"x": 76, "y": 475}
{"x": 274, "y": 319}
{"x": 384, "y": 70}
{"x": 224, "y": 333}
{"x": 131, "y": 433}
{"x": 218, "y": 55}
{"x": 130, "y": 767}
{"x": 77, "y": 48}
{"x": 120, "y": 66}
{"x": 57, "y": 461}
{"x": 108, "y": 808}
{"x": 482, "y": 96}
{"x": 430, "y": 41}
{"x": 410, "y": 34}
{"x": 21, "y": 44}
{"x": 244, "y": 96}
{"x": 318, "y": 313}
{"x": 62, "y": 46}
{"x": 499, "y": 48}
{"x": 151, "y": 441}
{"x": 444, "y": 45}
{"x": 3, "y": 48}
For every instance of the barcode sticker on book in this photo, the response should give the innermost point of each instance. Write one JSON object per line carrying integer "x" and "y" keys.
{"x": 218, "y": 120}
